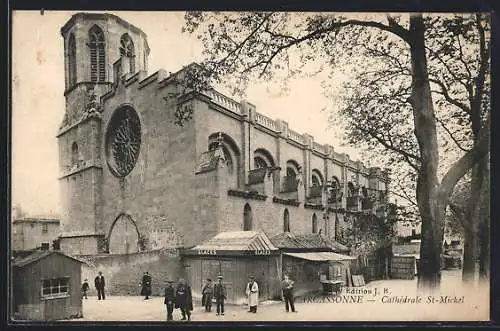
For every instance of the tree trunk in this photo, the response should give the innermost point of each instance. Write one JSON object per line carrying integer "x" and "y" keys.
{"x": 427, "y": 183}
{"x": 484, "y": 251}
{"x": 469, "y": 254}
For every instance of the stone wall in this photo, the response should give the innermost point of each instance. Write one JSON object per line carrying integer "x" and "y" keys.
{"x": 123, "y": 273}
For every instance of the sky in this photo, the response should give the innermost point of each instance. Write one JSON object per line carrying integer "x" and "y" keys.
{"x": 38, "y": 100}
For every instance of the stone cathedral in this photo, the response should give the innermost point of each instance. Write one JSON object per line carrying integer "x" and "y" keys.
{"x": 134, "y": 181}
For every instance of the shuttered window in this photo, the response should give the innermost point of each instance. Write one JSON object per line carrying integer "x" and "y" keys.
{"x": 97, "y": 46}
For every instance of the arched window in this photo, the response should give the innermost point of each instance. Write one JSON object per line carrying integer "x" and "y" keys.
{"x": 259, "y": 162}
{"x": 231, "y": 152}
{"x": 314, "y": 224}
{"x": 71, "y": 60}
{"x": 247, "y": 218}
{"x": 227, "y": 156}
{"x": 351, "y": 190}
{"x": 97, "y": 45}
{"x": 127, "y": 50}
{"x": 263, "y": 159}
{"x": 317, "y": 178}
{"x": 74, "y": 153}
{"x": 286, "y": 221}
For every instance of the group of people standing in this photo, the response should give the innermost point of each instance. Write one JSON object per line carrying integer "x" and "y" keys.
{"x": 181, "y": 296}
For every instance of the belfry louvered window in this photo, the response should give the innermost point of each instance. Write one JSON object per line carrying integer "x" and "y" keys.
{"x": 127, "y": 50}
{"x": 72, "y": 60}
{"x": 97, "y": 46}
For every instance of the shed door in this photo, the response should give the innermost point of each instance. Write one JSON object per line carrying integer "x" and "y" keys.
{"x": 212, "y": 268}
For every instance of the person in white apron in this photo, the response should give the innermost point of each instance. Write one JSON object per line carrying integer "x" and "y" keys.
{"x": 252, "y": 292}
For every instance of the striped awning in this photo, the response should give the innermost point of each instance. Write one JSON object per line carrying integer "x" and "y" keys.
{"x": 321, "y": 256}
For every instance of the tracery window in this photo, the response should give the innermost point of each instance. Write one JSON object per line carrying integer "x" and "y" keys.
{"x": 97, "y": 47}
{"x": 127, "y": 49}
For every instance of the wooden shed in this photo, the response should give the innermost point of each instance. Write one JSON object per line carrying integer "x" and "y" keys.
{"x": 235, "y": 255}
{"x": 46, "y": 285}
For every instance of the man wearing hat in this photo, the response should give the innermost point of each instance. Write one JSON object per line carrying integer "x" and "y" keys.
{"x": 169, "y": 299}
{"x": 252, "y": 292}
{"x": 220, "y": 295}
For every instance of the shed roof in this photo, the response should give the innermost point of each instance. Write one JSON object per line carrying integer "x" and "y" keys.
{"x": 313, "y": 240}
{"x": 38, "y": 255}
{"x": 321, "y": 256}
{"x": 238, "y": 241}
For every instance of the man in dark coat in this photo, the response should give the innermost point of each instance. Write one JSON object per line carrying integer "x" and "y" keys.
{"x": 146, "y": 285}
{"x": 220, "y": 295}
{"x": 184, "y": 299}
{"x": 169, "y": 299}
{"x": 207, "y": 294}
{"x": 99, "y": 286}
{"x": 287, "y": 286}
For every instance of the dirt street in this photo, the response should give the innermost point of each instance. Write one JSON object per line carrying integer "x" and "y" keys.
{"x": 395, "y": 300}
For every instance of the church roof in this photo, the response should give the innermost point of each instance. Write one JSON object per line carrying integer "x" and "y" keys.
{"x": 288, "y": 240}
{"x": 238, "y": 241}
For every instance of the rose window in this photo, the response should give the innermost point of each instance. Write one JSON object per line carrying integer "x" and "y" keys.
{"x": 123, "y": 141}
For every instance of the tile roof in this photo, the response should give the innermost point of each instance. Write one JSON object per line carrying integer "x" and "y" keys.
{"x": 313, "y": 240}
{"x": 238, "y": 241}
{"x": 38, "y": 255}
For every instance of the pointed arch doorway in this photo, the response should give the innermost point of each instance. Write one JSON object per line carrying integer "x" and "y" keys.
{"x": 123, "y": 236}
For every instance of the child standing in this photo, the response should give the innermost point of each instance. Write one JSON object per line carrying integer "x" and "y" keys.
{"x": 85, "y": 288}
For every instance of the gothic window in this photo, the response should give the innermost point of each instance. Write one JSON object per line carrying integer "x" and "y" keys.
{"x": 71, "y": 60}
{"x": 314, "y": 224}
{"x": 74, "y": 153}
{"x": 286, "y": 221}
{"x": 247, "y": 218}
{"x": 97, "y": 46}
{"x": 127, "y": 50}
{"x": 259, "y": 163}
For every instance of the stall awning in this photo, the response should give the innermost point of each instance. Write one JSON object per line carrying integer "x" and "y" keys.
{"x": 321, "y": 256}
{"x": 236, "y": 243}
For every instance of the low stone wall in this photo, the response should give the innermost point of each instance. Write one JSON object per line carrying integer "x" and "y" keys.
{"x": 123, "y": 272}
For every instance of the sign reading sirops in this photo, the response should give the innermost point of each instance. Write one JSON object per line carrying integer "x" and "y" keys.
{"x": 262, "y": 252}
{"x": 207, "y": 252}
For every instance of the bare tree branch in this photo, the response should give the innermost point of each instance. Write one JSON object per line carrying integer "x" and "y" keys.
{"x": 447, "y": 97}
{"x": 450, "y": 134}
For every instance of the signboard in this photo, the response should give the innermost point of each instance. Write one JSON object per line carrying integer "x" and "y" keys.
{"x": 207, "y": 252}
{"x": 214, "y": 252}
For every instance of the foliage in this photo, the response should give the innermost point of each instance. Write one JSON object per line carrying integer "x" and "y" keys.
{"x": 431, "y": 69}
{"x": 366, "y": 233}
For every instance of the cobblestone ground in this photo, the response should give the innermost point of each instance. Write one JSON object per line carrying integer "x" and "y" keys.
{"x": 474, "y": 306}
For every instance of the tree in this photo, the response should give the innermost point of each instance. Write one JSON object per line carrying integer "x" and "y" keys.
{"x": 259, "y": 45}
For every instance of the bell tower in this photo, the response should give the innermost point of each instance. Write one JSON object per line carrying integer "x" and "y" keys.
{"x": 92, "y": 44}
